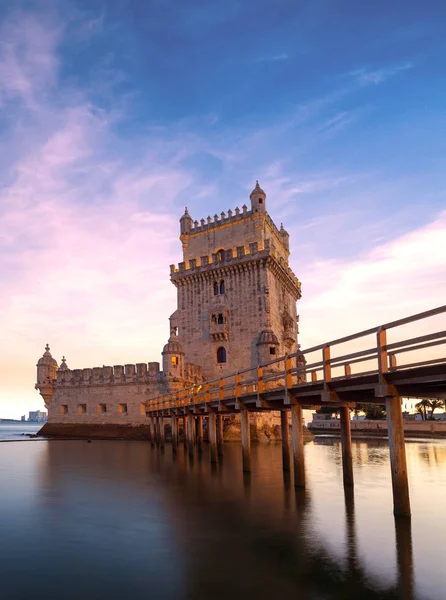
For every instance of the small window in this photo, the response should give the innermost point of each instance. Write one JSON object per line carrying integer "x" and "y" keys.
{"x": 142, "y": 408}
{"x": 64, "y": 409}
{"x": 222, "y": 286}
{"x": 221, "y": 355}
{"x": 260, "y": 200}
{"x": 214, "y": 320}
{"x": 216, "y": 288}
{"x": 221, "y": 319}
{"x": 102, "y": 408}
{"x": 220, "y": 255}
{"x": 81, "y": 409}
{"x": 122, "y": 409}
{"x": 174, "y": 361}
{"x": 272, "y": 350}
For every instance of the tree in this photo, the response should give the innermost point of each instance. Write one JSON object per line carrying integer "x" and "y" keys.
{"x": 328, "y": 410}
{"x": 374, "y": 411}
{"x": 422, "y": 407}
{"x": 434, "y": 404}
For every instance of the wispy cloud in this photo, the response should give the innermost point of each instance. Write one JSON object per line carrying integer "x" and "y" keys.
{"x": 366, "y": 76}
{"x": 275, "y": 57}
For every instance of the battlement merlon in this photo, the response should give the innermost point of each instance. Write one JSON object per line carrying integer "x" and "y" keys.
{"x": 238, "y": 257}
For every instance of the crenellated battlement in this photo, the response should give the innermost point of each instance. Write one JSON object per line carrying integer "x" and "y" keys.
{"x": 139, "y": 373}
{"x": 238, "y": 255}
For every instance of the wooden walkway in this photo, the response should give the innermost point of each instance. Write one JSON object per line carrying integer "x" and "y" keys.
{"x": 361, "y": 368}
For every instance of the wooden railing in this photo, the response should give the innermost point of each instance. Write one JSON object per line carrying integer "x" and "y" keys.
{"x": 286, "y": 372}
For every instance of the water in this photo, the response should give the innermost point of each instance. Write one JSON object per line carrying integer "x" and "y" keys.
{"x": 16, "y": 431}
{"x": 122, "y": 520}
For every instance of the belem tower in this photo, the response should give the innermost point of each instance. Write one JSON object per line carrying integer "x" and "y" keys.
{"x": 236, "y": 308}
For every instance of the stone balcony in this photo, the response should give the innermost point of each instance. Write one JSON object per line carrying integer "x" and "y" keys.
{"x": 219, "y": 332}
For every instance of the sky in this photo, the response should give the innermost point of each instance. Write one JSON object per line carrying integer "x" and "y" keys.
{"x": 115, "y": 115}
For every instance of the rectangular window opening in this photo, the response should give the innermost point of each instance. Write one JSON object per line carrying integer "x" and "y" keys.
{"x": 122, "y": 409}
{"x": 64, "y": 409}
{"x": 102, "y": 408}
{"x": 81, "y": 409}
{"x": 272, "y": 350}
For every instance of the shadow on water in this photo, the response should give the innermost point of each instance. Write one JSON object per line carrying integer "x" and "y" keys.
{"x": 122, "y": 519}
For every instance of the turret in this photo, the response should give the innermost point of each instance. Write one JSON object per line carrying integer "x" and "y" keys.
{"x": 186, "y": 223}
{"x": 267, "y": 346}
{"x": 173, "y": 358}
{"x": 46, "y": 374}
{"x": 258, "y": 199}
{"x": 285, "y": 237}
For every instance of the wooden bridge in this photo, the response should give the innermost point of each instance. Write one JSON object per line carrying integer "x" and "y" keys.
{"x": 361, "y": 368}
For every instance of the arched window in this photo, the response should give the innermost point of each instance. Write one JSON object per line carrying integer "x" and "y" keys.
{"x": 174, "y": 361}
{"x": 222, "y": 286}
{"x": 221, "y": 319}
{"x": 216, "y": 288}
{"x": 214, "y": 320}
{"x": 221, "y": 355}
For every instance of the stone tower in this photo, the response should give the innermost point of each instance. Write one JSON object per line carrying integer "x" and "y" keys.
{"x": 236, "y": 293}
{"x": 46, "y": 374}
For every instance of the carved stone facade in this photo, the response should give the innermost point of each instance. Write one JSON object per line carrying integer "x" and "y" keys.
{"x": 236, "y": 309}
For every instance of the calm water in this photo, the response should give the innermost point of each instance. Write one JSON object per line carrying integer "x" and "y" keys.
{"x": 16, "y": 431}
{"x": 113, "y": 520}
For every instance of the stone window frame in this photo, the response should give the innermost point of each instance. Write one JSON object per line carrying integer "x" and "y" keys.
{"x": 222, "y": 356}
{"x": 123, "y": 408}
{"x": 64, "y": 409}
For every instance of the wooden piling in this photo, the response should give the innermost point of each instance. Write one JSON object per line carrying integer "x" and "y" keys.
{"x": 157, "y": 430}
{"x": 161, "y": 432}
{"x": 212, "y": 433}
{"x": 346, "y": 446}
{"x": 246, "y": 440}
{"x": 286, "y": 458}
{"x": 174, "y": 427}
{"x": 190, "y": 433}
{"x": 152, "y": 431}
{"x": 298, "y": 445}
{"x": 220, "y": 435}
{"x": 398, "y": 464}
{"x": 200, "y": 432}
{"x": 184, "y": 432}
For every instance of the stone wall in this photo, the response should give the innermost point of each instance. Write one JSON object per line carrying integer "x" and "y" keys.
{"x": 422, "y": 428}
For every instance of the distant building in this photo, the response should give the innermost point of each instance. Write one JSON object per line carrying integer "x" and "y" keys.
{"x": 23, "y": 418}
{"x": 37, "y": 416}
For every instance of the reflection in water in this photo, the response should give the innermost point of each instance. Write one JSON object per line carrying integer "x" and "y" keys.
{"x": 122, "y": 519}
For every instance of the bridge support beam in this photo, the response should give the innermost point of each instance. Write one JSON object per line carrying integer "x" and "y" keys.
{"x": 200, "y": 432}
{"x": 298, "y": 445}
{"x": 184, "y": 432}
{"x": 246, "y": 440}
{"x": 174, "y": 426}
{"x": 190, "y": 433}
{"x": 346, "y": 446}
{"x": 398, "y": 464}
{"x": 152, "y": 430}
{"x": 161, "y": 432}
{"x": 220, "y": 435}
{"x": 157, "y": 430}
{"x": 286, "y": 457}
{"x": 212, "y": 433}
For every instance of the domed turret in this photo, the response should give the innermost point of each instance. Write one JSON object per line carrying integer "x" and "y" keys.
{"x": 173, "y": 358}
{"x": 63, "y": 364}
{"x": 46, "y": 374}
{"x": 268, "y": 346}
{"x": 285, "y": 237}
{"x": 186, "y": 222}
{"x": 258, "y": 199}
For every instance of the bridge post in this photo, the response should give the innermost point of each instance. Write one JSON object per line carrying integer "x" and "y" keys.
{"x": 200, "y": 432}
{"x": 286, "y": 458}
{"x": 346, "y": 446}
{"x": 212, "y": 433}
{"x": 246, "y": 439}
{"x": 161, "y": 432}
{"x": 174, "y": 426}
{"x": 184, "y": 432}
{"x": 220, "y": 434}
{"x": 298, "y": 445}
{"x": 157, "y": 428}
{"x": 152, "y": 430}
{"x": 190, "y": 433}
{"x": 398, "y": 464}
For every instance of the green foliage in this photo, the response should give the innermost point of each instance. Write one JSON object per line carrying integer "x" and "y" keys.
{"x": 374, "y": 411}
{"x": 328, "y": 410}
